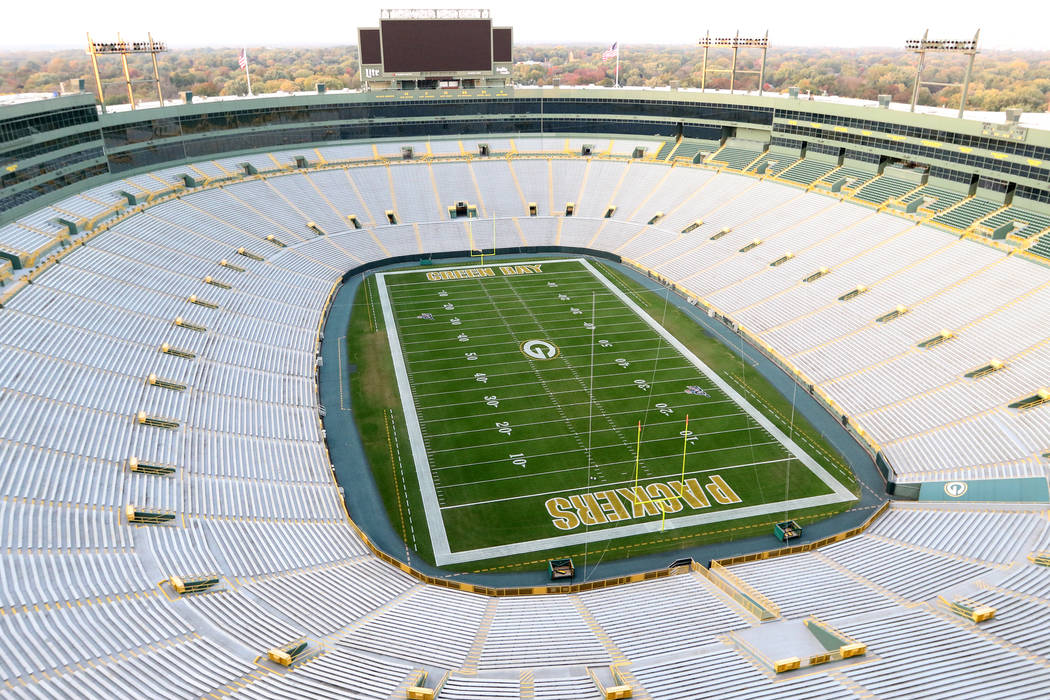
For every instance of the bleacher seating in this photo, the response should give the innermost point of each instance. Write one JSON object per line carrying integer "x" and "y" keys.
{"x": 854, "y": 178}
{"x": 1026, "y": 223}
{"x": 82, "y": 613}
{"x": 736, "y": 154}
{"x": 774, "y": 163}
{"x": 933, "y": 199}
{"x": 806, "y": 171}
{"x": 689, "y": 149}
{"x": 665, "y": 150}
{"x": 883, "y": 189}
{"x": 1041, "y": 246}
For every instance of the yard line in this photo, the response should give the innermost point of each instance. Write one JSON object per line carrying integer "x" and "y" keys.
{"x": 544, "y": 422}
{"x": 709, "y": 390}
{"x": 486, "y": 315}
{"x": 616, "y": 429}
{"x": 540, "y": 295}
{"x": 430, "y": 342}
{"x": 615, "y": 484}
{"x": 517, "y": 353}
{"x": 503, "y": 460}
{"x": 476, "y": 308}
{"x": 677, "y": 374}
{"x": 675, "y": 473}
{"x": 567, "y": 405}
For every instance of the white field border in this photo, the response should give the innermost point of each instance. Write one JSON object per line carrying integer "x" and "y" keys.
{"x": 439, "y": 537}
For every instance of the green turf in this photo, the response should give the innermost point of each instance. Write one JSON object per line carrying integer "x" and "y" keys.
{"x": 487, "y": 495}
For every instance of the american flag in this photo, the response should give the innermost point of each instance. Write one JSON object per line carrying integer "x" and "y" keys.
{"x": 612, "y": 52}
{"x": 426, "y": 316}
{"x": 696, "y": 391}
{"x": 242, "y": 60}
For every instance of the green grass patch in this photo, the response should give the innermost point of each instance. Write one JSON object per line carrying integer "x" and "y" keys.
{"x": 380, "y": 419}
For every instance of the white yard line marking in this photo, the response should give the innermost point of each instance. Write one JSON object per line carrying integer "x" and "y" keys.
{"x": 562, "y": 452}
{"x": 580, "y": 418}
{"x": 564, "y": 356}
{"x": 404, "y": 486}
{"x": 597, "y": 468}
{"x": 533, "y": 396}
{"x": 565, "y": 379}
{"x": 648, "y": 441}
{"x": 614, "y": 484}
{"x": 621, "y": 341}
{"x": 342, "y": 371}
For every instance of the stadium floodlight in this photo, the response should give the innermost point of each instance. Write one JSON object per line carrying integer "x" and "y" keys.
{"x": 123, "y": 49}
{"x": 926, "y": 45}
{"x": 735, "y": 42}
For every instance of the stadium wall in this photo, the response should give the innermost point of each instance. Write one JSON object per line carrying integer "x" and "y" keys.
{"x": 116, "y": 145}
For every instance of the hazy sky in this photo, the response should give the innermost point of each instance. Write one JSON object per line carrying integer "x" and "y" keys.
{"x": 234, "y": 23}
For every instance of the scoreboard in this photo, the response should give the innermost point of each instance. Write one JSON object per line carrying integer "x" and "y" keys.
{"x": 434, "y": 45}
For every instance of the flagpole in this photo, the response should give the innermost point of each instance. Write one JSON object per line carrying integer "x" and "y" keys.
{"x": 246, "y": 73}
{"x": 617, "y": 64}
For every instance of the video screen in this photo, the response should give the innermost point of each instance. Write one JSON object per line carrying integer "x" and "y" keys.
{"x": 414, "y": 46}
{"x": 501, "y": 45}
{"x": 370, "y": 51}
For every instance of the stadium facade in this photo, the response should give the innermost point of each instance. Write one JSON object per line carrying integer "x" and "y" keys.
{"x": 171, "y": 522}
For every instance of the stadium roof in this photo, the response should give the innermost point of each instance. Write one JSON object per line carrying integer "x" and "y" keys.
{"x": 1035, "y": 120}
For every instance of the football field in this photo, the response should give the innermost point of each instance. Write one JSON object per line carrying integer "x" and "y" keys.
{"x": 546, "y": 409}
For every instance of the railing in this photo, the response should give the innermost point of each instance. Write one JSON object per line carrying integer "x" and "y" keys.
{"x": 750, "y": 599}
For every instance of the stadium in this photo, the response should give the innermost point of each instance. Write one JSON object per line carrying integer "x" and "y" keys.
{"x": 455, "y": 389}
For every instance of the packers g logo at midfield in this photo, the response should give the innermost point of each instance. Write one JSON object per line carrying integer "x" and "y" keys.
{"x": 539, "y": 349}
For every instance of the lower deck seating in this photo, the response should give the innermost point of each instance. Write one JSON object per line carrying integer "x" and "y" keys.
{"x": 82, "y": 612}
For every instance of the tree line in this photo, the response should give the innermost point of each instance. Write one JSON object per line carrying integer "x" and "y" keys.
{"x": 1001, "y": 79}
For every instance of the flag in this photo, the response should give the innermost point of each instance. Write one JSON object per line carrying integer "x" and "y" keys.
{"x": 612, "y": 52}
{"x": 242, "y": 60}
{"x": 426, "y": 316}
{"x": 696, "y": 391}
